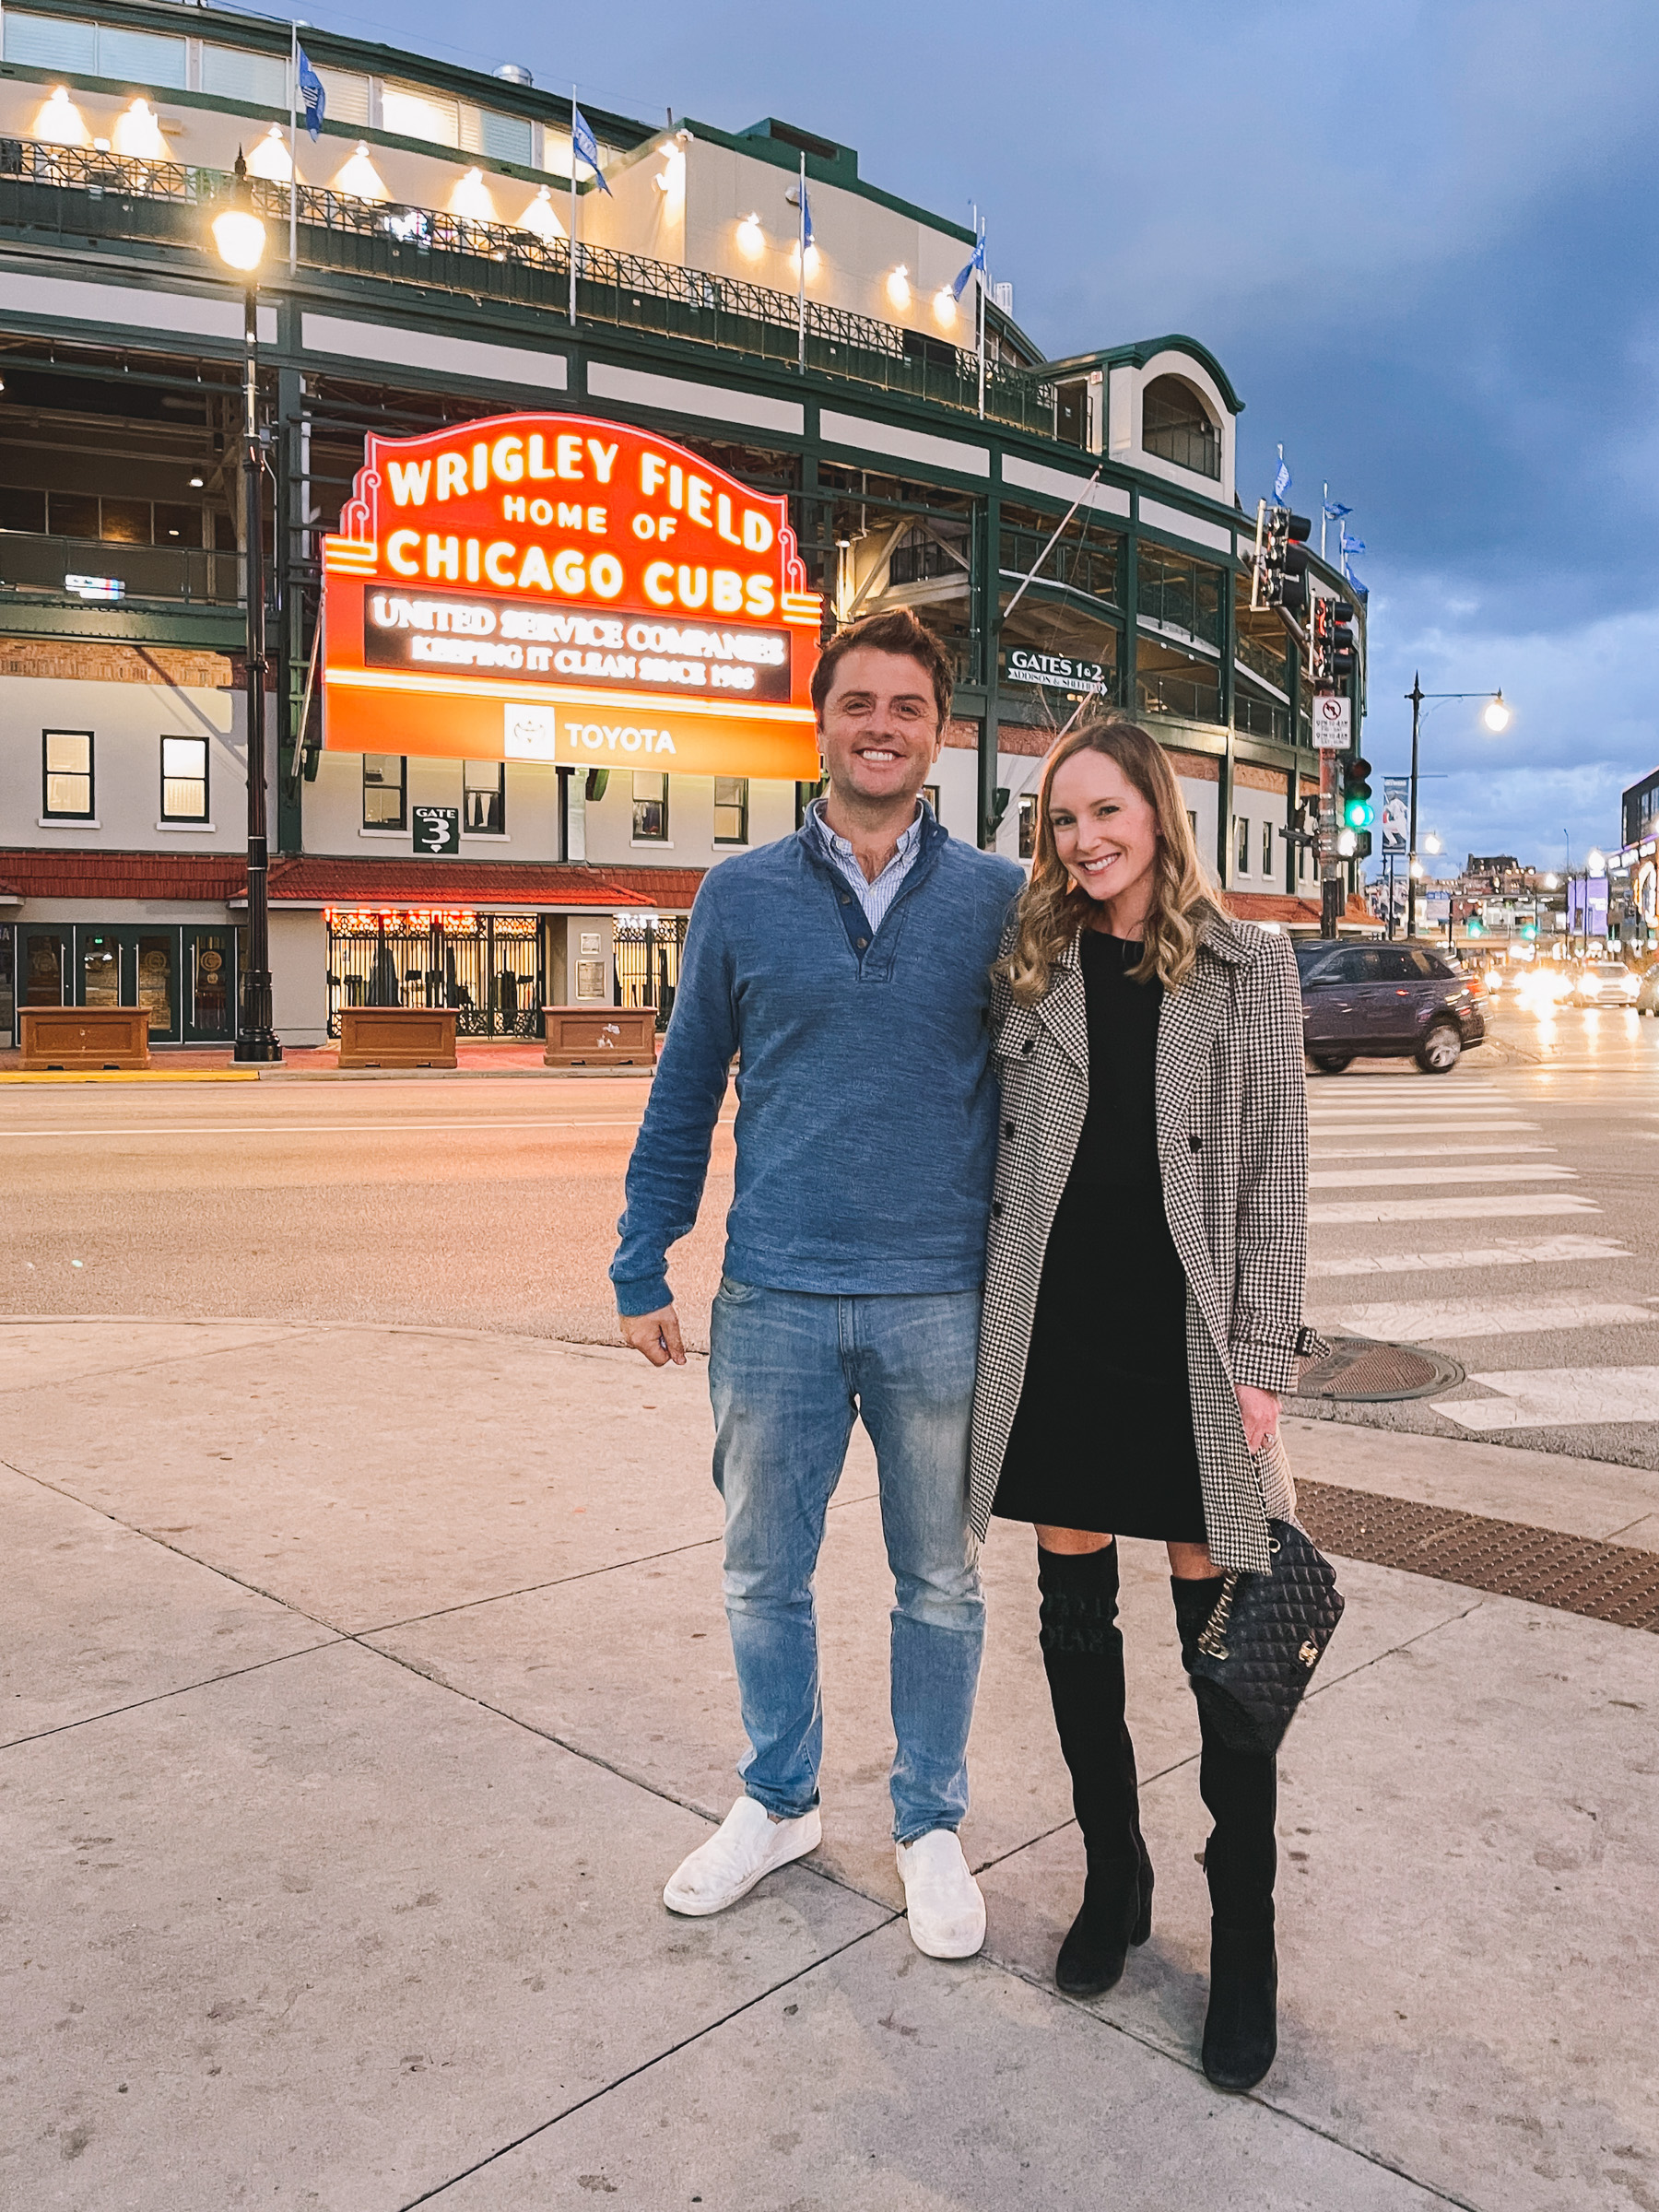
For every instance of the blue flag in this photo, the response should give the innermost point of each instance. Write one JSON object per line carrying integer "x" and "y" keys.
{"x": 806, "y": 237}
{"x": 976, "y": 261}
{"x": 1335, "y": 511}
{"x": 1351, "y": 544}
{"x": 311, "y": 95}
{"x": 1281, "y": 482}
{"x": 585, "y": 146}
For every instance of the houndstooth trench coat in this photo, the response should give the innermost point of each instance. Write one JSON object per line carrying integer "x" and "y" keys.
{"x": 1232, "y": 1142}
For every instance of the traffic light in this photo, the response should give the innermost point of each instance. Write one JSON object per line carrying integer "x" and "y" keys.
{"x": 1319, "y": 645}
{"x": 1344, "y": 648}
{"x": 1356, "y": 810}
{"x": 1281, "y": 558}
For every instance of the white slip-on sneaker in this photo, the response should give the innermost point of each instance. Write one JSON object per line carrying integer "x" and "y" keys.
{"x": 746, "y": 1846}
{"x": 946, "y": 1912}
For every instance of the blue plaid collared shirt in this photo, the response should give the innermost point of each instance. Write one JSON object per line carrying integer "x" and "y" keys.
{"x": 875, "y": 897}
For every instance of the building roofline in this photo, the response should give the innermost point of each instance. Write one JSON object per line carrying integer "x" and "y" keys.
{"x": 1136, "y": 355}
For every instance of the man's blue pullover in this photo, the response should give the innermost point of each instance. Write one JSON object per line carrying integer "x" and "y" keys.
{"x": 867, "y": 1106}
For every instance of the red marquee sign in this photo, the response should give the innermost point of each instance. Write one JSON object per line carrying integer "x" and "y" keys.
{"x": 551, "y": 587}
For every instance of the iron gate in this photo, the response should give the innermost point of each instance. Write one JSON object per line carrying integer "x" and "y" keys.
{"x": 648, "y": 964}
{"x": 491, "y": 967}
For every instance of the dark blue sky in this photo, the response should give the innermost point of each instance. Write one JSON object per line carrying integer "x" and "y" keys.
{"x": 1421, "y": 237}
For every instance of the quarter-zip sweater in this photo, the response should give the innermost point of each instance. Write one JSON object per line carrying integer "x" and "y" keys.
{"x": 867, "y": 1105}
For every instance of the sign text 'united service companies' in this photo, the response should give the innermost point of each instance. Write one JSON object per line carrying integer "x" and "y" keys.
{"x": 548, "y": 587}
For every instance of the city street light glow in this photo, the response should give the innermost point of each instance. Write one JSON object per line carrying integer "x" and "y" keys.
{"x": 1497, "y": 716}
{"x": 239, "y": 232}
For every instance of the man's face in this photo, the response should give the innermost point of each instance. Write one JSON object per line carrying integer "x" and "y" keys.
{"x": 879, "y": 731}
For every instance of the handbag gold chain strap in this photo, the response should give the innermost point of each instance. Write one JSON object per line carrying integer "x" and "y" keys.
{"x": 1210, "y": 1642}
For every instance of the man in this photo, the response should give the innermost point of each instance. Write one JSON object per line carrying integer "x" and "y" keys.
{"x": 847, "y": 966}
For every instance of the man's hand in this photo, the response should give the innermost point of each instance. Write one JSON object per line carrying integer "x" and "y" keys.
{"x": 1259, "y": 1407}
{"x": 658, "y": 1336}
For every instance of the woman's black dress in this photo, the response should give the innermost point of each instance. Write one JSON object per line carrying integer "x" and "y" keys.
{"x": 1103, "y": 1437}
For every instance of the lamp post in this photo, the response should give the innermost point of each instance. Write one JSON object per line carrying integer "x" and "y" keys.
{"x": 238, "y": 237}
{"x": 1496, "y": 718}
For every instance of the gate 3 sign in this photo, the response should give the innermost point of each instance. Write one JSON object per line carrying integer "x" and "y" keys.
{"x": 549, "y": 587}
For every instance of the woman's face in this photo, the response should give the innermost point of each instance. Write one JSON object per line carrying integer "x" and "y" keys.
{"x": 1105, "y": 833}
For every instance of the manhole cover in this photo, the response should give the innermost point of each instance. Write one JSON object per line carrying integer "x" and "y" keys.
{"x": 1361, "y": 1371}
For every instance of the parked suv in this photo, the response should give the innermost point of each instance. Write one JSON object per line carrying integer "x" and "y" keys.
{"x": 1385, "y": 1001}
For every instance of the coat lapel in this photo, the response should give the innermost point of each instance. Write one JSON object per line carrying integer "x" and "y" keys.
{"x": 1188, "y": 1022}
{"x": 1064, "y": 1009}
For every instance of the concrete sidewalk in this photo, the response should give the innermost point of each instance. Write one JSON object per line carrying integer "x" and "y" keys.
{"x": 362, "y": 1685}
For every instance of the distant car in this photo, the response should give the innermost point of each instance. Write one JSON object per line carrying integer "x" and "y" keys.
{"x": 1385, "y": 1001}
{"x": 1605, "y": 983}
{"x": 1647, "y": 997}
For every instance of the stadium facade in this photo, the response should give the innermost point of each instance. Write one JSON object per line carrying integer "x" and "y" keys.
{"x": 1071, "y": 527}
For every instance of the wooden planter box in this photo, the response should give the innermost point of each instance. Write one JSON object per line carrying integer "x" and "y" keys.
{"x": 70, "y": 1037}
{"x": 593, "y": 1036}
{"x": 397, "y": 1036}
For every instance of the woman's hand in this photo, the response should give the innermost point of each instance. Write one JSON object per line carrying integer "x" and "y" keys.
{"x": 1259, "y": 1409}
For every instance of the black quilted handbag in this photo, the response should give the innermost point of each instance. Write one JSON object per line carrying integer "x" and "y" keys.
{"x": 1255, "y": 1657}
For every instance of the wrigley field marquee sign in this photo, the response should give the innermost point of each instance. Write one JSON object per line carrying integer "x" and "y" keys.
{"x": 549, "y": 587}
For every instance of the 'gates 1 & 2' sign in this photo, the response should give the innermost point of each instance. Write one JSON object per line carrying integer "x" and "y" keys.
{"x": 549, "y": 587}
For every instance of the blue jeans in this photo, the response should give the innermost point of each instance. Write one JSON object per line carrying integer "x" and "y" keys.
{"x": 787, "y": 1372}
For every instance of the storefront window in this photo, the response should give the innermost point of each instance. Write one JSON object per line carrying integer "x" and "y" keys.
{"x": 649, "y": 808}
{"x": 155, "y": 955}
{"x": 7, "y": 1010}
{"x": 731, "y": 810}
{"x": 1242, "y": 833}
{"x": 1028, "y": 825}
{"x": 210, "y": 984}
{"x": 183, "y": 779}
{"x": 484, "y": 798}
{"x": 42, "y": 969}
{"x": 100, "y": 970}
{"x": 68, "y": 794}
{"x": 1268, "y": 848}
{"x": 384, "y": 791}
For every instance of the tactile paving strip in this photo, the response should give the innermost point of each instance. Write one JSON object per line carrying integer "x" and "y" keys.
{"x": 1362, "y": 1371}
{"x": 1510, "y": 1559}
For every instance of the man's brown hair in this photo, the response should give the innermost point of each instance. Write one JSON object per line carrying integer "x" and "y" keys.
{"x": 899, "y": 632}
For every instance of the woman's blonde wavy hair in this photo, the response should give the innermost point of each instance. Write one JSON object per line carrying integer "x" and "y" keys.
{"x": 1051, "y": 909}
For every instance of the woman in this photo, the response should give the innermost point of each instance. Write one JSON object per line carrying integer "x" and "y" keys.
{"x": 1143, "y": 1312}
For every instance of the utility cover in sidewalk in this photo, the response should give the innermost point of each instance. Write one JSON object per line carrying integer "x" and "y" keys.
{"x": 1359, "y": 1370}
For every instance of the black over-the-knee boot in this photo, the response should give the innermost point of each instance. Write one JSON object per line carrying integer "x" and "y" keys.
{"x": 1240, "y": 1789}
{"x": 1083, "y": 1654}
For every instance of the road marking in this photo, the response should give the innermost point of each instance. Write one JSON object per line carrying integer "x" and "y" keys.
{"x": 1516, "y": 1206}
{"x": 1412, "y": 1151}
{"x": 1405, "y": 1126}
{"x": 1340, "y": 1178}
{"x": 1435, "y": 1319}
{"x": 1559, "y": 1398}
{"x": 1509, "y": 1252}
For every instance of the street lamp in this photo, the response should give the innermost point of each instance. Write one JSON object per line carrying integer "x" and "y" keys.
{"x": 1496, "y": 717}
{"x": 238, "y": 237}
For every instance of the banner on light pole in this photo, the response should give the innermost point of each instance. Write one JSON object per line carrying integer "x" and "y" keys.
{"x": 1396, "y": 813}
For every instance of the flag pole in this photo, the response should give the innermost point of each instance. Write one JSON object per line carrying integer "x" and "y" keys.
{"x": 801, "y": 271}
{"x": 980, "y": 277}
{"x": 293, "y": 149}
{"x": 574, "y": 212}
{"x": 1325, "y": 516}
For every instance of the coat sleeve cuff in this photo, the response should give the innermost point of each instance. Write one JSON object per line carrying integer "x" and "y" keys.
{"x": 1275, "y": 1365}
{"x": 648, "y": 1296}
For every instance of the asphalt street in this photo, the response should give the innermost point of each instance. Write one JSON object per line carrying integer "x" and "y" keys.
{"x": 1503, "y": 1214}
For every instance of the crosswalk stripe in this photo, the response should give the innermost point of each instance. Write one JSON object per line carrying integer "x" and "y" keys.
{"x": 1337, "y": 1123}
{"x": 1436, "y": 1318}
{"x": 1558, "y": 1397}
{"x": 1511, "y": 1206}
{"x": 1509, "y": 1252}
{"x": 1413, "y": 1151}
{"x": 1347, "y": 1179}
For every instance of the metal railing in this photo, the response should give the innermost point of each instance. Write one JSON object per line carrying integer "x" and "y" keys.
{"x": 39, "y": 563}
{"x": 70, "y": 194}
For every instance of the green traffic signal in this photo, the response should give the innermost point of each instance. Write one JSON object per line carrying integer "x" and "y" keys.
{"x": 1358, "y": 811}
